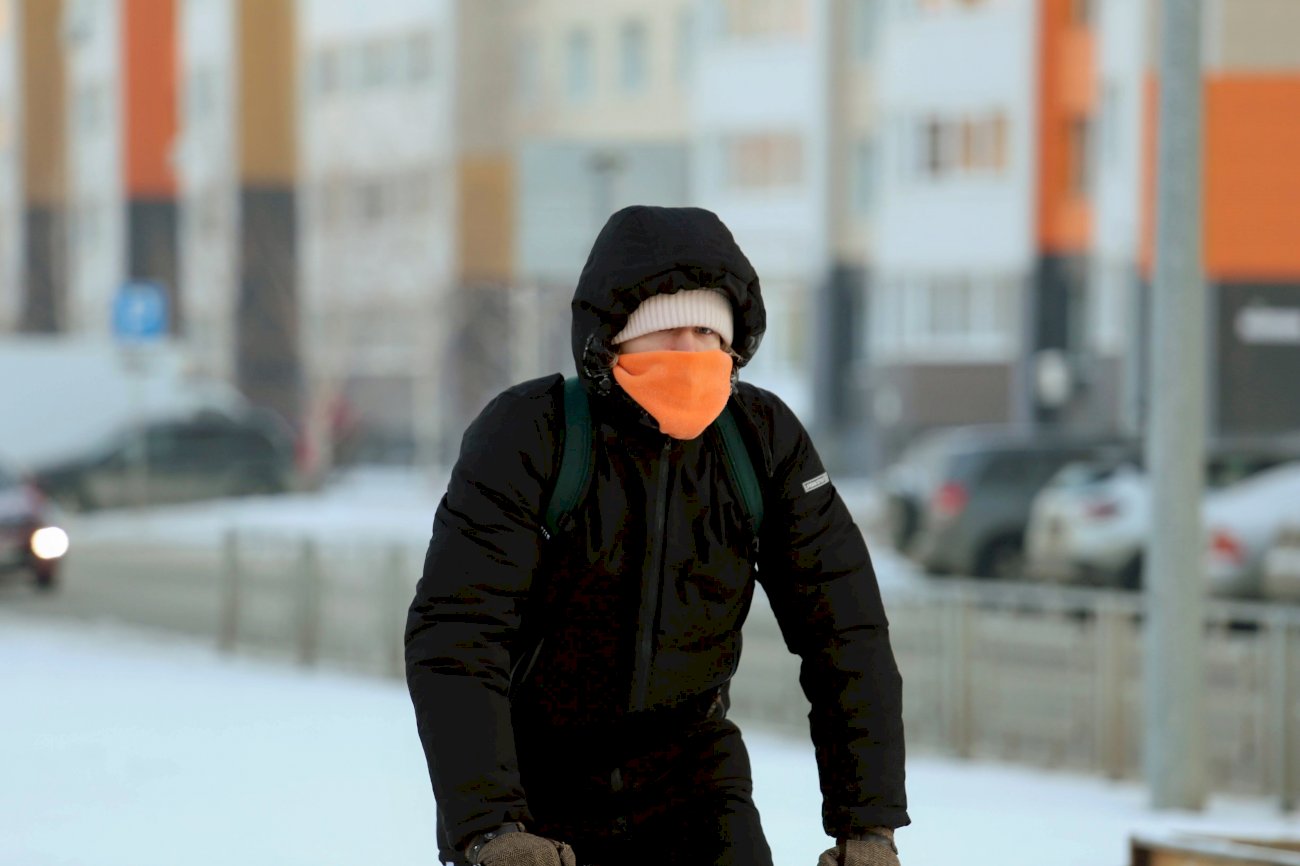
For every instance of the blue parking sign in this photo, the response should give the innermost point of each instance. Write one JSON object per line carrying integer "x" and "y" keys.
{"x": 139, "y": 312}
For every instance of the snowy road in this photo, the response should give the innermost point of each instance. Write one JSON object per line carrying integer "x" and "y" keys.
{"x": 124, "y": 748}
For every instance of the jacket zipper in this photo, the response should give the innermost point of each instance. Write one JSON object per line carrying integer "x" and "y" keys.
{"x": 651, "y": 588}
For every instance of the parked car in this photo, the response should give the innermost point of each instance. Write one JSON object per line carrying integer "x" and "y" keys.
{"x": 1089, "y": 524}
{"x": 974, "y": 522}
{"x": 1281, "y": 566}
{"x": 203, "y": 456}
{"x": 909, "y": 482}
{"x": 1242, "y": 522}
{"x": 31, "y": 541}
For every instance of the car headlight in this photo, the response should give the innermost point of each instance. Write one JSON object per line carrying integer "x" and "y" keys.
{"x": 49, "y": 542}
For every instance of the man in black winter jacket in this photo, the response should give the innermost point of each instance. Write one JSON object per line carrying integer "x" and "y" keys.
{"x": 570, "y": 688}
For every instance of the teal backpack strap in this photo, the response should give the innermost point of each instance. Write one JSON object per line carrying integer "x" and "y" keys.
{"x": 575, "y": 462}
{"x": 741, "y": 469}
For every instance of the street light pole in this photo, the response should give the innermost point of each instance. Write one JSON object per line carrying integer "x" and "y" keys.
{"x": 1174, "y": 690}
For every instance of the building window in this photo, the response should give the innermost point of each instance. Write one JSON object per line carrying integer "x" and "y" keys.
{"x": 984, "y": 143}
{"x": 949, "y": 307}
{"x": 633, "y": 56}
{"x": 946, "y": 311}
{"x": 961, "y": 146}
{"x": 934, "y": 148}
{"x": 998, "y": 160}
{"x": 864, "y": 26}
{"x": 580, "y": 66}
{"x": 764, "y": 161}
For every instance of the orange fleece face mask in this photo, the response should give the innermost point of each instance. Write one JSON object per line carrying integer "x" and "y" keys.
{"x": 684, "y": 391}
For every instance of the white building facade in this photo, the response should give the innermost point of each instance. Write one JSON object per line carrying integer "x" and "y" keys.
{"x": 207, "y": 161}
{"x": 96, "y": 197}
{"x": 1123, "y": 61}
{"x": 599, "y": 112}
{"x": 954, "y": 242}
{"x": 377, "y": 217}
{"x": 760, "y": 137}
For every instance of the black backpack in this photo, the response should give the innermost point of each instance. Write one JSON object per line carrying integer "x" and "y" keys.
{"x": 576, "y": 462}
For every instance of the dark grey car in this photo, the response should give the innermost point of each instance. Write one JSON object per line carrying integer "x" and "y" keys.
{"x": 974, "y": 522}
{"x": 176, "y": 460}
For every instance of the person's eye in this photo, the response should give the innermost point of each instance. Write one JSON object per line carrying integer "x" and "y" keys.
{"x": 705, "y": 332}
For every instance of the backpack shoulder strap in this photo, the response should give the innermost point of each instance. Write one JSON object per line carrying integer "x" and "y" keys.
{"x": 741, "y": 468}
{"x": 576, "y": 459}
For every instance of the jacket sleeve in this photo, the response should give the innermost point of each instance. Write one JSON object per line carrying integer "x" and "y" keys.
{"x": 464, "y": 620}
{"x": 817, "y": 573}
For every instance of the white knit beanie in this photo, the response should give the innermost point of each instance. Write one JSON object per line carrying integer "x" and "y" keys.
{"x": 690, "y": 308}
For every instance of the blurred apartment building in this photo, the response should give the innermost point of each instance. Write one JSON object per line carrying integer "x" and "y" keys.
{"x": 957, "y": 225}
{"x": 761, "y": 127}
{"x": 1251, "y": 210}
{"x": 121, "y": 121}
{"x": 407, "y": 215}
{"x": 236, "y": 159}
{"x": 757, "y": 109}
{"x": 599, "y": 111}
{"x": 1013, "y": 238}
{"x": 379, "y": 212}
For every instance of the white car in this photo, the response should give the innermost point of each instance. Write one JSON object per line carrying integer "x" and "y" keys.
{"x": 1281, "y": 569}
{"x": 1242, "y": 523}
{"x": 1089, "y": 525}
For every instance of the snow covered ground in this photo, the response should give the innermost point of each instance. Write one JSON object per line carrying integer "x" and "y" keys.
{"x": 125, "y": 748}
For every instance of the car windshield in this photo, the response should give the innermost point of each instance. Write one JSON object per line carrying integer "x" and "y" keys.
{"x": 1087, "y": 472}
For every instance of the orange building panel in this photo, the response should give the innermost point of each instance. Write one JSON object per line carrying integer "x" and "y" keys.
{"x": 1067, "y": 101}
{"x": 1150, "y": 129}
{"x": 43, "y": 124}
{"x": 1252, "y": 177}
{"x": 486, "y": 218}
{"x": 149, "y": 56}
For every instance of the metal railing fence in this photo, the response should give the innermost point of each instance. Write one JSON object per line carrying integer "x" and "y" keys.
{"x": 1022, "y": 673}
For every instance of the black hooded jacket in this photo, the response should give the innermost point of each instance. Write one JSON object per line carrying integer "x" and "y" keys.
{"x": 636, "y": 606}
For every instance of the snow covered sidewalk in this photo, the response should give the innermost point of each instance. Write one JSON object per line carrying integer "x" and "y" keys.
{"x": 124, "y": 747}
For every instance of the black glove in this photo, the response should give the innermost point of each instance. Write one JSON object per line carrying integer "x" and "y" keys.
{"x": 873, "y": 848}
{"x": 512, "y": 845}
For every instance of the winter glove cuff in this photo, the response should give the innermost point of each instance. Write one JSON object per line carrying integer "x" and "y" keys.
{"x": 512, "y": 845}
{"x": 875, "y": 847}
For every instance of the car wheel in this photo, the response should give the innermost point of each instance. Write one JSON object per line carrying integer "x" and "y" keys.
{"x": 1002, "y": 559}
